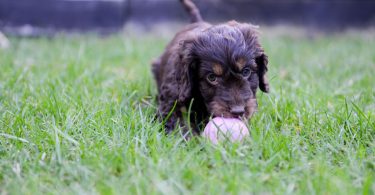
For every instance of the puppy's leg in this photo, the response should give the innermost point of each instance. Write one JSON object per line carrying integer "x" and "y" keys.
{"x": 156, "y": 70}
{"x": 169, "y": 109}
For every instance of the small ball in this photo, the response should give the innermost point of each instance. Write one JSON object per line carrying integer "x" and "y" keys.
{"x": 220, "y": 128}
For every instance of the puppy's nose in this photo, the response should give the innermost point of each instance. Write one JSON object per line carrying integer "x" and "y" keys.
{"x": 237, "y": 110}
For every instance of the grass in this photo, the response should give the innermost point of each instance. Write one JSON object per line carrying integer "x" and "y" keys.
{"x": 76, "y": 117}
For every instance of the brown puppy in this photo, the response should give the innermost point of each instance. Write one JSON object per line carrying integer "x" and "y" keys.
{"x": 213, "y": 69}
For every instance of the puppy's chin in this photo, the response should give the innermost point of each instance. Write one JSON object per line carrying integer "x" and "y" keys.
{"x": 229, "y": 115}
{"x": 225, "y": 115}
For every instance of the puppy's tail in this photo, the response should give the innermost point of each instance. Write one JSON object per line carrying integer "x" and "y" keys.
{"x": 195, "y": 15}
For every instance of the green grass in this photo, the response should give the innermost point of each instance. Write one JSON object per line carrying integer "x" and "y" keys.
{"x": 76, "y": 117}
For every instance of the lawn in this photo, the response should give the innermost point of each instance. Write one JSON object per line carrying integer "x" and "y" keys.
{"x": 76, "y": 117}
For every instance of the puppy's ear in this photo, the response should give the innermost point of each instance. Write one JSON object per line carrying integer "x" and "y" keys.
{"x": 262, "y": 62}
{"x": 185, "y": 70}
{"x": 250, "y": 34}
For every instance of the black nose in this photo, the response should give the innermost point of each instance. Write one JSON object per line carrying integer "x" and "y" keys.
{"x": 237, "y": 110}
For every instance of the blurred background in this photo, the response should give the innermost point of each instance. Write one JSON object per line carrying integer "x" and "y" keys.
{"x": 41, "y": 17}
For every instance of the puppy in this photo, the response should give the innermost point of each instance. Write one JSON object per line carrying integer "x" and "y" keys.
{"x": 210, "y": 70}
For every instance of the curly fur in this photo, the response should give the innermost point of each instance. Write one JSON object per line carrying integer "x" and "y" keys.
{"x": 216, "y": 69}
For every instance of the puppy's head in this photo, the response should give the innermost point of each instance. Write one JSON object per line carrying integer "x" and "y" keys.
{"x": 226, "y": 64}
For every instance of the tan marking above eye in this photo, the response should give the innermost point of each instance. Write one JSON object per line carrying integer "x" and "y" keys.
{"x": 218, "y": 69}
{"x": 253, "y": 65}
{"x": 240, "y": 63}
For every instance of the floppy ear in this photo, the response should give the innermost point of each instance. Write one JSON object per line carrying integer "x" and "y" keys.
{"x": 262, "y": 62}
{"x": 250, "y": 34}
{"x": 185, "y": 69}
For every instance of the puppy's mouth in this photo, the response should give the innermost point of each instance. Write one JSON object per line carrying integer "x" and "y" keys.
{"x": 225, "y": 113}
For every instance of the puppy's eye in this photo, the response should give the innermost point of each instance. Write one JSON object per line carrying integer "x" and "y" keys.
{"x": 246, "y": 72}
{"x": 212, "y": 78}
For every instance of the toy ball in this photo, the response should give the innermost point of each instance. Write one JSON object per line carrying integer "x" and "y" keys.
{"x": 220, "y": 128}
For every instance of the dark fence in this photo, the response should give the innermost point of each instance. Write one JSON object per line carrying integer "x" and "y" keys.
{"x": 331, "y": 14}
{"x": 109, "y": 15}
{"x": 51, "y": 15}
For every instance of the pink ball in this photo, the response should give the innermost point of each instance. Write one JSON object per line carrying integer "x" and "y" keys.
{"x": 220, "y": 128}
